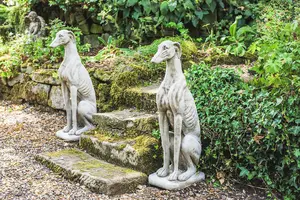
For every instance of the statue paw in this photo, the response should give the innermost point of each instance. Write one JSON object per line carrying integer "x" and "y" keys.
{"x": 186, "y": 175}
{"x": 66, "y": 129}
{"x": 162, "y": 172}
{"x": 79, "y": 132}
{"x": 72, "y": 131}
{"x": 173, "y": 176}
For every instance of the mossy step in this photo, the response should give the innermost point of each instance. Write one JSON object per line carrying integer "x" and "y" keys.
{"x": 126, "y": 122}
{"x": 97, "y": 175}
{"x": 142, "y": 98}
{"x": 141, "y": 153}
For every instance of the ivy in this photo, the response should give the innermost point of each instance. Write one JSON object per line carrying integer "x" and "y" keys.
{"x": 248, "y": 131}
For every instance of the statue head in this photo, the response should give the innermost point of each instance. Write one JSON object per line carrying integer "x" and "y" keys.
{"x": 63, "y": 37}
{"x": 32, "y": 16}
{"x": 166, "y": 51}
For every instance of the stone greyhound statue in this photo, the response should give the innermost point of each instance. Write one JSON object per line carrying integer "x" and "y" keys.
{"x": 177, "y": 109}
{"x": 78, "y": 91}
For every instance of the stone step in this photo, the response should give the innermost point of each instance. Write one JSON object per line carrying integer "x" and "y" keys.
{"x": 126, "y": 123}
{"x": 97, "y": 175}
{"x": 142, "y": 153}
{"x": 142, "y": 98}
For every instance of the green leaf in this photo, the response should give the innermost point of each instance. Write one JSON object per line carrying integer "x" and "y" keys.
{"x": 146, "y": 5}
{"x": 195, "y": 21}
{"x": 279, "y": 101}
{"x": 232, "y": 28}
{"x": 297, "y": 153}
{"x": 244, "y": 171}
{"x": 213, "y": 6}
{"x": 221, "y": 3}
{"x": 208, "y": 2}
{"x": 164, "y": 8}
{"x": 172, "y": 5}
{"x": 131, "y": 3}
{"x": 136, "y": 15}
{"x": 295, "y": 130}
{"x": 199, "y": 14}
{"x": 188, "y": 5}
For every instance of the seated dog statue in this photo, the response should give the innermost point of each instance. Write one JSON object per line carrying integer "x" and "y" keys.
{"x": 78, "y": 91}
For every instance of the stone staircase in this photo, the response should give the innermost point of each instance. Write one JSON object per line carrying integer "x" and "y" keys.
{"x": 120, "y": 153}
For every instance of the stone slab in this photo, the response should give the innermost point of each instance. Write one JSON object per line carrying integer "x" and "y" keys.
{"x": 126, "y": 122}
{"x": 18, "y": 79}
{"x": 65, "y": 136}
{"x": 92, "y": 39}
{"x": 97, "y": 175}
{"x": 163, "y": 182}
{"x": 142, "y": 98}
{"x": 46, "y": 76}
{"x": 138, "y": 153}
{"x": 56, "y": 99}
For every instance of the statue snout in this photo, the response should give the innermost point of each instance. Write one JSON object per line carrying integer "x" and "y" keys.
{"x": 54, "y": 43}
{"x": 156, "y": 58}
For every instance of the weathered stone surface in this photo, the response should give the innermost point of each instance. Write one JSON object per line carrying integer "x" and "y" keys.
{"x": 32, "y": 92}
{"x": 92, "y": 39}
{"x": 96, "y": 28}
{"x": 56, "y": 99}
{"x": 97, "y": 175}
{"x": 70, "y": 18}
{"x": 15, "y": 80}
{"x": 142, "y": 98}
{"x": 46, "y": 76}
{"x": 38, "y": 93}
{"x": 3, "y": 81}
{"x": 84, "y": 28}
{"x": 79, "y": 17}
{"x": 102, "y": 75}
{"x": 138, "y": 153}
{"x": 107, "y": 28}
{"x": 105, "y": 36}
{"x": 126, "y": 122}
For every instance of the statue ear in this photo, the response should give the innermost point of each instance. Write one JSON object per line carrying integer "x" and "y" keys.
{"x": 178, "y": 49}
{"x": 72, "y": 36}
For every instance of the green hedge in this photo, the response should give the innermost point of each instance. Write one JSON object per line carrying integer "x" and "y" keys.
{"x": 248, "y": 131}
{"x": 138, "y": 20}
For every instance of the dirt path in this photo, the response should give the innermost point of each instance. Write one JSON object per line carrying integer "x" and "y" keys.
{"x": 26, "y": 131}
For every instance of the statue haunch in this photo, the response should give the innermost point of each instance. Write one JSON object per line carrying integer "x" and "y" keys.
{"x": 177, "y": 109}
{"x": 36, "y": 25}
{"x": 78, "y": 91}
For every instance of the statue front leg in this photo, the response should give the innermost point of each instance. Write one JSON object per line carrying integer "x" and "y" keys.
{"x": 66, "y": 97}
{"x": 73, "y": 90}
{"x": 177, "y": 145}
{"x": 165, "y": 140}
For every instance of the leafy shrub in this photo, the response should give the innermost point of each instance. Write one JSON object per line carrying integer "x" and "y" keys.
{"x": 248, "y": 131}
{"x": 278, "y": 48}
{"x": 136, "y": 21}
{"x": 37, "y": 54}
{"x": 239, "y": 39}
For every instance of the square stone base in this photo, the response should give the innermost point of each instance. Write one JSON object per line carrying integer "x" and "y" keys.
{"x": 163, "y": 182}
{"x": 65, "y": 136}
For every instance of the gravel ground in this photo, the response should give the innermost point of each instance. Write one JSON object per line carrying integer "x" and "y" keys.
{"x": 26, "y": 131}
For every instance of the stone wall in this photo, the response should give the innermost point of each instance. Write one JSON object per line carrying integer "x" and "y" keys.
{"x": 42, "y": 87}
{"x": 86, "y": 21}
